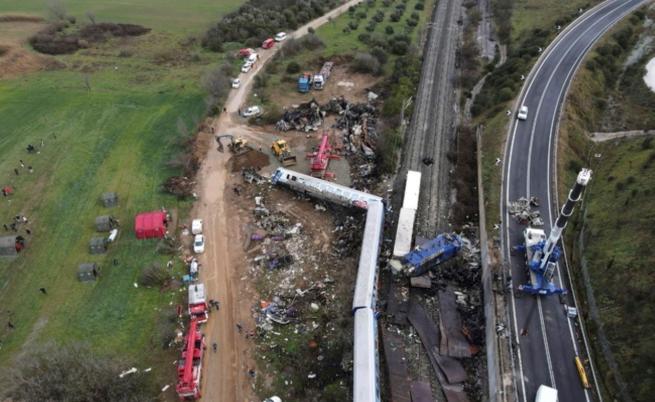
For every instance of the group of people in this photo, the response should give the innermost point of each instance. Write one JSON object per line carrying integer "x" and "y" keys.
{"x": 18, "y": 220}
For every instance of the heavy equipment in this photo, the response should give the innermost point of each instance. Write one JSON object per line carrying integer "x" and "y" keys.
{"x": 236, "y": 146}
{"x": 282, "y": 152}
{"x": 321, "y": 157}
{"x": 189, "y": 367}
{"x": 432, "y": 253}
{"x": 542, "y": 253}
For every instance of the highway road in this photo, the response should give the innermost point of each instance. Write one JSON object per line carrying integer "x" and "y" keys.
{"x": 545, "y": 355}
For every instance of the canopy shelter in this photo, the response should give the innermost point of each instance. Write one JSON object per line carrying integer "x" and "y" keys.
{"x": 88, "y": 272}
{"x": 149, "y": 225}
{"x": 98, "y": 245}
{"x": 105, "y": 223}
{"x": 10, "y": 246}
{"x": 109, "y": 199}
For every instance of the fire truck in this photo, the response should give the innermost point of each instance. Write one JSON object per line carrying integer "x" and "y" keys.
{"x": 189, "y": 366}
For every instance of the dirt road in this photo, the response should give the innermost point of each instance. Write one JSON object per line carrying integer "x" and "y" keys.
{"x": 223, "y": 264}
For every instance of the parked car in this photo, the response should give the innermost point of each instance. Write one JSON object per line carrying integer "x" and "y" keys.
{"x": 252, "y": 59}
{"x": 252, "y": 111}
{"x": 196, "y": 226}
{"x": 268, "y": 43}
{"x": 199, "y": 244}
{"x": 236, "y": 83}
{"x": 523, "y": 113}
{"x": 280, "y": 36}
{"x": 246, "y": 67}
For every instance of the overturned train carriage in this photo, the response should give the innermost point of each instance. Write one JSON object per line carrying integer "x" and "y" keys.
{"x": 366, "y": 384}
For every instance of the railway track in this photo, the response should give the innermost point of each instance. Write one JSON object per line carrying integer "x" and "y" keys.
{"x": 435, "y": 116}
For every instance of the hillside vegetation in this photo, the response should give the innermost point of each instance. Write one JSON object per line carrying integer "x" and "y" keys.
{"x": 610, "y": 244}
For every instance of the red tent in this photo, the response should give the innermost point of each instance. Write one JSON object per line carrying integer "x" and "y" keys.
{"x": 150, "y": 225}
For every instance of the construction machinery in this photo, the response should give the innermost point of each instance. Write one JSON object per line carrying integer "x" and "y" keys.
{"x": 189, "y": 367}
{"x": 432, "y": 253}
{"x": 542, "y": 253}
{"x": 237, "y": 146}
{"x": 282, "y": 152}
{"x": 198, "y": 307}
{"x": 321, "y": 158}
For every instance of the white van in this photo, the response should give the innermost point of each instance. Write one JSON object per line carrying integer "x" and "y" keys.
{"x": 546, "y": 394}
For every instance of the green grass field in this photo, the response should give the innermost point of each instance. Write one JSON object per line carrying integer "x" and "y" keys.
{"x": 188, "y": 17}
{"x": 109, "y": 139}
{"x": 543, "y": 14}
{"x": 117, "y": 136}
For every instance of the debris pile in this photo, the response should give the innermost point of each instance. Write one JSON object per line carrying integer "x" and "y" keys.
{"x": 522, "y": 210}
{"x": 180, "y": 186}
{"x": 305, "y": 117}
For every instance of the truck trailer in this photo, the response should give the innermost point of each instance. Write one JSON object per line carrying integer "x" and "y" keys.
{"x": 321, "y": 78}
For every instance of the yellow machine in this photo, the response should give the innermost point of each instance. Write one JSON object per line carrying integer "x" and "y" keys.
{"x": 236, "y": 146}
{"x": 282, "y": 151}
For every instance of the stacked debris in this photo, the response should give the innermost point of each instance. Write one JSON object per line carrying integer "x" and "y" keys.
{"x": 358, "y": 124}
{"x": 521, "y": 209}
{"x": 305, "y": 117}
{"x": 180, "y": 186}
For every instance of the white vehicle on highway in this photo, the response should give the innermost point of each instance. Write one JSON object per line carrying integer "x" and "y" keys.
{"x": 273, "y": 399}
{"x": 523, "y": 113}
{"x": 252, "y": 111}
{"x": 196, "y": 226}
{"x": 236, "y": 83}
{"x": 199, "y": 244}
{"x": 546, "y": 394}
{"x": 246, "y": 67}
{"x": 280, "y": 36}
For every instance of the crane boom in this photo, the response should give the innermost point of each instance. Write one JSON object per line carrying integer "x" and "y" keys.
{"x": 543, "y": 253}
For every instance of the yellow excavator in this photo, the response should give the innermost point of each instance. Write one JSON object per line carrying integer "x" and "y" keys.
{"x": 282, "y": 152}
{"x": 237, "y": 145}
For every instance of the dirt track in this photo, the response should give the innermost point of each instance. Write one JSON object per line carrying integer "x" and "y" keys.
{"x": 225, "y": 373}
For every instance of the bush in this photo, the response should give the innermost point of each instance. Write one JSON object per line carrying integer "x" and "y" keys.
{"x": 353, "y": 25}
{"x": 75, "y": 373}
{"x": 311, "y": 30}
{"x": 364, "y": 37}
{"x": 365, "y": 63}
{"x": 380, "y": 55}
{"x": 217, "y": 84}
{"x": 411, "y": 23}
{"x": 395, "y": 16}
{"x": 311, "y": 42}
{"x": 154, "y": 275}
{"x": 419, "y": 6}
{"x": 361, "y": 15}
{"x": 293, "y": 67}
{"x": 379, "y": 16}
{"x": 388, "y": 30}
{"x": 399, "y": 47}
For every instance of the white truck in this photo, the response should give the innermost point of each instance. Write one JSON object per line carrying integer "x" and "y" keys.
{"x": 322, "y": 76}
{"x": 546, "y": 394}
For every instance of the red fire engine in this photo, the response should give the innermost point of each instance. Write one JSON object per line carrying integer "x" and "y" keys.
{"x": 189, "y": 367}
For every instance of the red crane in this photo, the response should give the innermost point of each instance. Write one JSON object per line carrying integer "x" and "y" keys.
{"x": 321, "y": 158}
{"x": 189, "y": 366}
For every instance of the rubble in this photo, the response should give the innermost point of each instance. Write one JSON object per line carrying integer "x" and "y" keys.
{"x": 521, "y": 209}
{"x": 422, "y": 281}
{"x": 305, "y": 117}
{"x": 180, "y": 186}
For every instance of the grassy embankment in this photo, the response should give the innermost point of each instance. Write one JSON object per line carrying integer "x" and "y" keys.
{"x": 524, "y": 27}
{"x": 110, "y": 120}
{"x": 610, "y": 242}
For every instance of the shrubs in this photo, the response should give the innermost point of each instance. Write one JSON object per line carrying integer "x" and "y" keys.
{"x": 365, "y": 63}
{"x": 154, "y": 276}
{"x": 52, "y": 40}
{"x": 293, "y": 67}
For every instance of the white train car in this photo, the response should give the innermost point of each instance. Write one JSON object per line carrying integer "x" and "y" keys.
{"x": 367, "y": 270}
{"x": 366, "y": 384}
{"x": 412, "y": 190}
{"x": 404, "y": 233}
